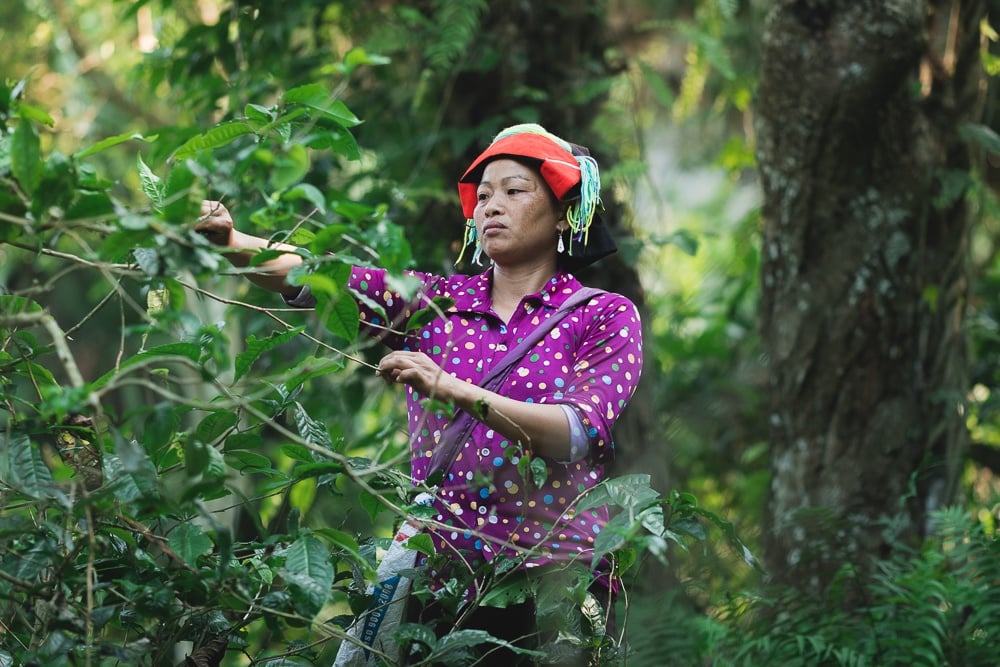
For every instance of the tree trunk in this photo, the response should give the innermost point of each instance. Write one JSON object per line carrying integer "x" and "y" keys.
{"x": 864, "y": 271}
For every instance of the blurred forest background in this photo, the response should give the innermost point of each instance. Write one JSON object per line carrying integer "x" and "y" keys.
{"x": 804, "y": 198}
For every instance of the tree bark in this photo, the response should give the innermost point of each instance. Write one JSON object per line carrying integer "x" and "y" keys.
{"x": 864, "y": 271}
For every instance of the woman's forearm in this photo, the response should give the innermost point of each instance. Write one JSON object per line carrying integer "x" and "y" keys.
{"x": 540, "y": 427}
{"x": 270, "y": 275}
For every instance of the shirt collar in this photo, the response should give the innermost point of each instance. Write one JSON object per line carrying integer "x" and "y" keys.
{"x": 474, "y": 294}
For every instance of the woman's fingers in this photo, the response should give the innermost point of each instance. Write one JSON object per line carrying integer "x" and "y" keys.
{"x": 415, "y": 369}
{"x": 215, "y": 222}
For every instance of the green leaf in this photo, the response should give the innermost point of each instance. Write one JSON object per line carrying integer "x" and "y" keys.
{"x": 18, "y": 304}
{"x": 246, "y": 461}
{"x": 25, "y": 157}
{"x": 317, "y": 97}
{"x": 335, "y": 139}
{"x": 265, "y": 256}
{"x": 371, "y": 505}
{"x": 456, "y": 642}
{"x": 309, "y": 573}
{"x": 258, "y": 114}
{"x": 148, "y": 260}
{"x": 343, "y": 318}
{"x": 40, "y": 375}
{"x": 312, "y": 431}
{"x": 220, "y": 135}
{"x": 178, "y": 204}
{"x": 290, "y": 167}
{"x": 612, "y": 536}
{"x": 185, "y": 349}
{"x": 108, "y": 143}
{"x": 160, "y": 425}
{"x": 422, "y": 543}
{"x": 347, "y": 545}
{"x": 130, "y": 473}
{"x": 201, "y": 459}
{"x": 255, "y": 347}
{"x": 628, "y": 491}
{"x": 358, "y": 56}
{"x": 662, "y": 92}
{"x": 626, "y": 559}
{"x": 729, "y": 531}
{"x": 308, "y": 192}
{"x": 539, "y": 471}
{"x": 28, "y": 112}
{"x": 429, "y": 313}
{"x": 151, "y": 184}
{"x": 297, "y": 453}
{"x": 394, "y": 251}
{"x": 511, "y": 590}
{"x": 91, "y": 205}
{"x": 57, "y": 188}
{"x": 189, "y": 542}
{"x": 37, "y": 559}
{"x": 981, "y": 135}
{"x": 312, "y": 367}
{"x": 215, "y": 424}
{"x": 682, "y": 239}
{"x": 22, "y": 464}
{"x": 306, "y": 470}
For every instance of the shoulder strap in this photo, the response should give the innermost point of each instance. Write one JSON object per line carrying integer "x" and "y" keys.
{"x": 500, "y": 372}
{"x": 455, "y": 436}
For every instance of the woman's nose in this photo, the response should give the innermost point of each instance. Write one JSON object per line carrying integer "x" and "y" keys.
{"x": 492, "y": 206}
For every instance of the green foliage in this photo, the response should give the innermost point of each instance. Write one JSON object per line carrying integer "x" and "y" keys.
{"x": 111, "y": 552}
{"x": 937, "y": 605}
{"x": 178, "y": 496}
{"x": 192, "y": 490}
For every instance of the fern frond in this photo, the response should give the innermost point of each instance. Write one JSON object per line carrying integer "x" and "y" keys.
{"x": 459, "y": 22}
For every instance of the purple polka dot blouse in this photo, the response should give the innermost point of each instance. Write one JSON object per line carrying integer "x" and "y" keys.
{"x": 590, "y": 361}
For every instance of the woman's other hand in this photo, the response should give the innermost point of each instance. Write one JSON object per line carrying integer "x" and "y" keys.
{"x": 417, "y": 370}
{"x": 215, "y": 223}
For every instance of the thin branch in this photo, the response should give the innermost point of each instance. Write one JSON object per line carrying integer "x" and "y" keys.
{"x": 93, "y": 311}
{"x": 124, "y": 269}
{"x": 270, "y": 313}
{"x": 91, "y": 578}
{"x": 45, "y": 320}
{"x": 160, "y": 542}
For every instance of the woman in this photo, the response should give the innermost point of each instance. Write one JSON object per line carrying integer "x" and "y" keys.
{"x": 530, "y": 199}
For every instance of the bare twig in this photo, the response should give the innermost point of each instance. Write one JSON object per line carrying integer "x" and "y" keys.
{"x": 45, "y": 320}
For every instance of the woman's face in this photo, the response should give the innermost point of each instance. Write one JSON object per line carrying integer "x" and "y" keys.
{"x": 516, "y": 216}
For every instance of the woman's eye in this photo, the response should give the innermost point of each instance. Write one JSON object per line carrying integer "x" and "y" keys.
{"x": 482, "y": 196}
{"x": 513, "y": 191}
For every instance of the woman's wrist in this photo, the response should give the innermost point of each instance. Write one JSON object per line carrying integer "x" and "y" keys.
{"x": 472, "y": 399}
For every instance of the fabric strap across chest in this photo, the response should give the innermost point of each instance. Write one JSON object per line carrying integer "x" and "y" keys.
{"x": 457, "y": 433}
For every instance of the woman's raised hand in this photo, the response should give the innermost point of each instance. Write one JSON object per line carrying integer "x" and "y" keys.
{"x": 419, "y": 371}
{"x": 215, "y": 223}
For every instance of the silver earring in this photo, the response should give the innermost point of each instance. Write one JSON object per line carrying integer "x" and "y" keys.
{"x": 561, "y": 248}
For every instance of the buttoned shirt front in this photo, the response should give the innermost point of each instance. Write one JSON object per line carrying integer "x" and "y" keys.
{"x": 591, "y": 361}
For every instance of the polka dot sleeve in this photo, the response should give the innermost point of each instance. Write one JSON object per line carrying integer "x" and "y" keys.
{"x": 384, "y": 312}
{"x": 606, "y": 367}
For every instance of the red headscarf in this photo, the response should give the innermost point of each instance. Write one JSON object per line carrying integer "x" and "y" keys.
{"x": 557, "y": 165}
{"x": 569, "y": 176}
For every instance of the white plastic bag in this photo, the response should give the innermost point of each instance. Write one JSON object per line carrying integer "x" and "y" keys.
{"x": 375, "y": 627}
